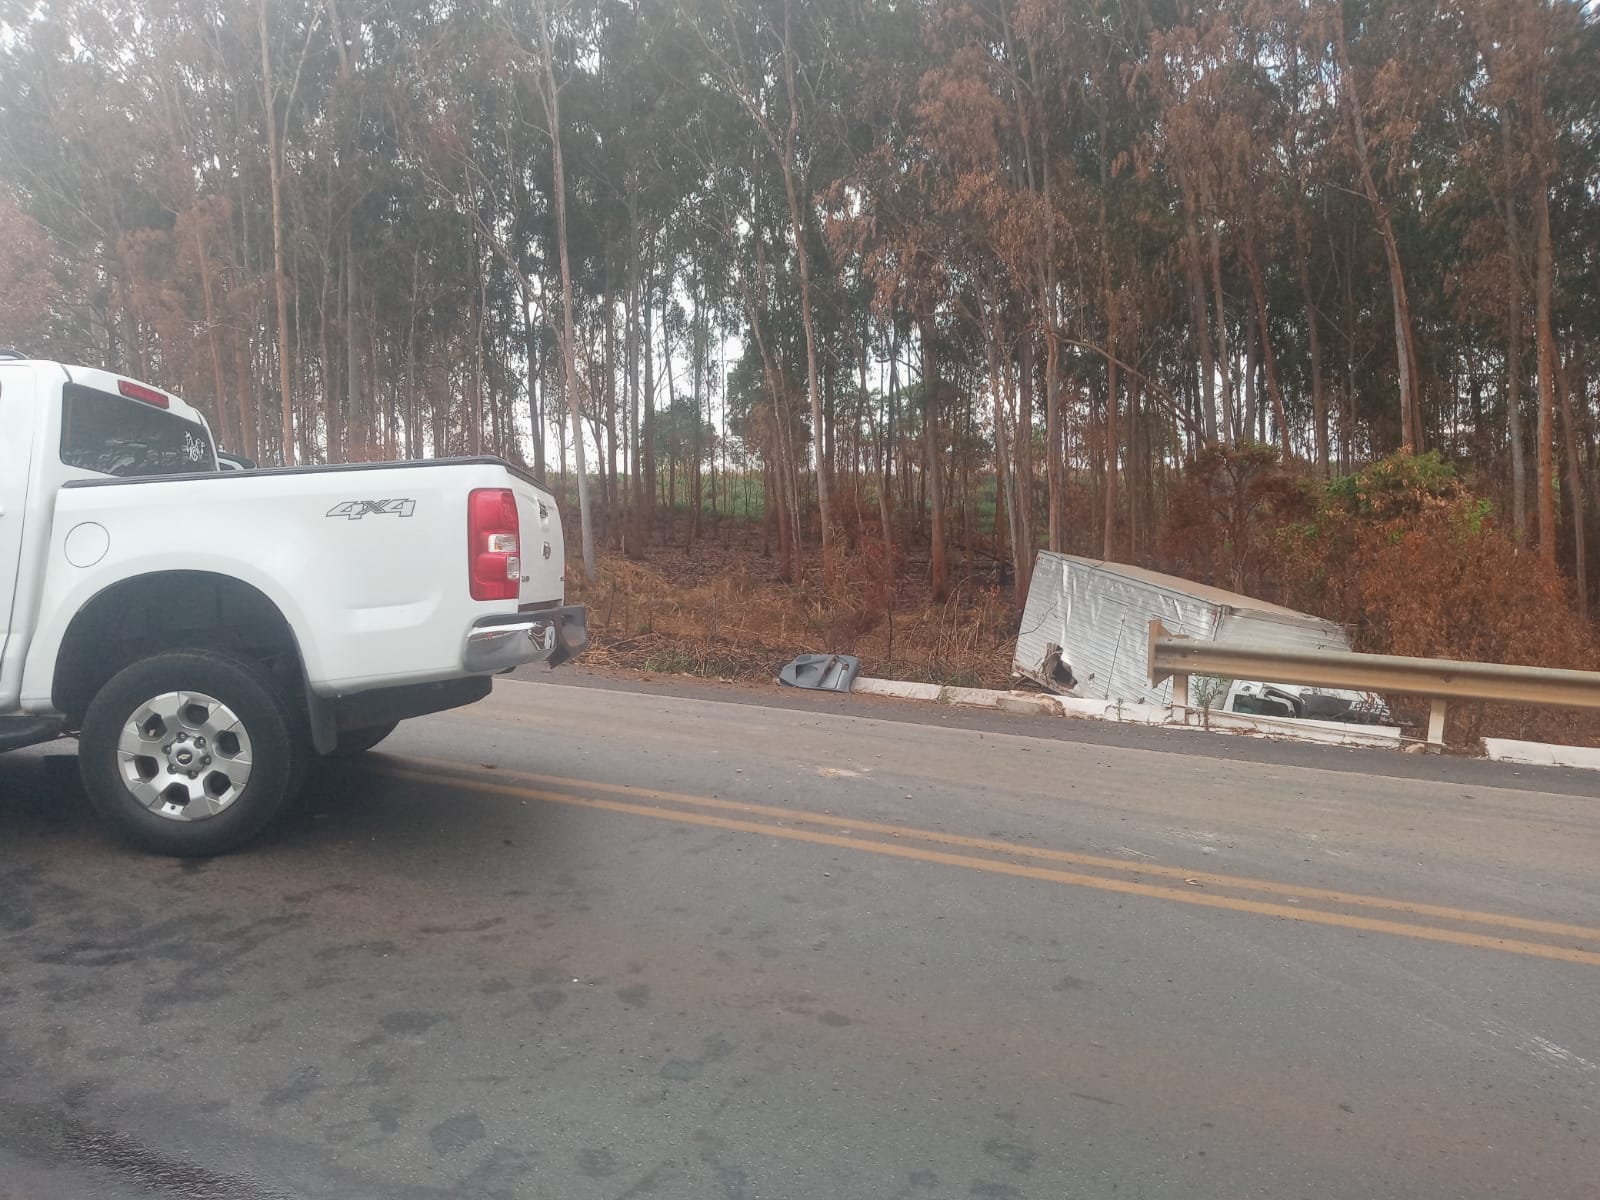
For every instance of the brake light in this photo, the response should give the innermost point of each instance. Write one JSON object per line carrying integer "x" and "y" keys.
{"x": 494, "y": 563}
{"x": 137, "y": 391}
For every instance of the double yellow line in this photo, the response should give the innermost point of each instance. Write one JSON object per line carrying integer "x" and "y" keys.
{"x": 1319, "y": 906}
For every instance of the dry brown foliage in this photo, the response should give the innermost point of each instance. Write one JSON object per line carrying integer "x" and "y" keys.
{"x": 739, "y": 623}
{"x": 1415, "y": 564}
{"x": 26, "y": 283}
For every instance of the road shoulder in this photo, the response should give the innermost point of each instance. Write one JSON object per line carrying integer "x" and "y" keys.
{"x": 1562, "y": 781}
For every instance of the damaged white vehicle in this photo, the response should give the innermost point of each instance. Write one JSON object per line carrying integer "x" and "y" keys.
{"x": 1085, "y": 630}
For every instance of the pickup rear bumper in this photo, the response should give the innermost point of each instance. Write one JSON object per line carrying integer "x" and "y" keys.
{"x": 551, "y": 635}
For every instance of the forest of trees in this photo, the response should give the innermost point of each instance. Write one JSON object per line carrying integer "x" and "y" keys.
{"x": 1045, "y": 252}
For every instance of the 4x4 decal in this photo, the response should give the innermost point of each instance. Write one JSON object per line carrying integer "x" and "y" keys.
{"x": 354, "y": 510}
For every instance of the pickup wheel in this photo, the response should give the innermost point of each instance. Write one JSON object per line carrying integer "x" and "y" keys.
{"x": 358, "y": 741}
{"x": 189, "y": 753}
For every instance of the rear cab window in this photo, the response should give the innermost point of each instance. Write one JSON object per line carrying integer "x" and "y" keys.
{"x": 114, "y": 435}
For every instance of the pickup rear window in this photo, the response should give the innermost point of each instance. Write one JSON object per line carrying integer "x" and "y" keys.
{"x": 114, "y": 435}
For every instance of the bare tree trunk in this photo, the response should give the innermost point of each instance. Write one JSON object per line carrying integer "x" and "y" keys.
{"x": 330, "y": 391}
{"x": 563, "y": 428}
{"x": 275, "y": 173}
{"x": 1269, "y": 364}
{"x": 789, "y": 478}
{"x": 413, "y": 435}
{"x": 224, "y": 425}
{"x": 631, "y": 349}
{"x": 1023, "y": 475}
{"x": 360, "y": 417}
{"x": 1543, "y": 286}
{"x": 1224, "y": 362}
{"x": 1347, "y": 400}
{"x": 1319, "y": 396}
{"x": 1519, "y": 454}
{"x": 1054, "y": 442}
{"x": 647, "y": 432}
{"x": 243, "y": 375}
{"x": 1405, "y": 346}
{"x": 697, "y": 356}
{"x": 813, "y": 371}
{"x": 1109, "y": 543}
{"x": 1405, "y": 352}
{"x": 1319, "y": 392}
{"x": 480, "y": 302}
{"x": 880, "y": 461}
{"x": 1575, "y": 494}
{"x": 1200, "y": 328}
{"x": 530, "y": 333}
{"x": 670, "y": 523}
{"x": 891, "y": 470}
{"x": 552, "y": 106}
{"x": 1519, "y": 465}
{"x": 932, "y": 470}
{"x": 785, "y": 485}
{"x": 1137, "y": 474}
{"x": 1252, "y": 361}
{"x": 1005, "y": 472}
{"x": 609, "y": 370}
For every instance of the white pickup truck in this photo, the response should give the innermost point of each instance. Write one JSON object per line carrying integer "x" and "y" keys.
{"x": 206, "y": 631}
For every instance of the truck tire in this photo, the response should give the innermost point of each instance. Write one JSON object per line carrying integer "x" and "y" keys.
{"x": 190, "y": 753}
{"x": 358, "y": 741}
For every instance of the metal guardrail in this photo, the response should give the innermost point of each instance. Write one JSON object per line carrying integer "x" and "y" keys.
{"x": 1440, "y": 679}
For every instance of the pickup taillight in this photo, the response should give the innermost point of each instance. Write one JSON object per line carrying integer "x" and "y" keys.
{"x": 494, "y": 561}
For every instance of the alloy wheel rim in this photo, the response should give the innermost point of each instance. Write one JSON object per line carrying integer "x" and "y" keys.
{"x": 184, "y": 755}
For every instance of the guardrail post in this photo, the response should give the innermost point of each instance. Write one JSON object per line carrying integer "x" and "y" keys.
{"x": 1436, "y": 715}
{"x": 1180, "y": 681}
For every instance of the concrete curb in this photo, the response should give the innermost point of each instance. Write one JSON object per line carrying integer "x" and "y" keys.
{"x": 901, "y": 689}
{"x": 1541, "y": 754}
{"x": 1326, "y": 733}
{"x": 1332, "y": 733}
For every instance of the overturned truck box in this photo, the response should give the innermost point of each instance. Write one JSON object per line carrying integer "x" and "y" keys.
{"x": 1085, "y": 631}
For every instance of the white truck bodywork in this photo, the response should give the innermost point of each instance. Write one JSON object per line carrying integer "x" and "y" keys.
{"x": 368, "y": 567}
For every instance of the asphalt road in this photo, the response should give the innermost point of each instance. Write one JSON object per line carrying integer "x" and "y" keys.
{"x": 593, "y": 942}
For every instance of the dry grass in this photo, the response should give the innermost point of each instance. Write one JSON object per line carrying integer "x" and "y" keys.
{"x": 738, "y": 624}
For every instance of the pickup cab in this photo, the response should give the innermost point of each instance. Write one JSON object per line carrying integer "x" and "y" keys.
{"x": 207, "y": 631}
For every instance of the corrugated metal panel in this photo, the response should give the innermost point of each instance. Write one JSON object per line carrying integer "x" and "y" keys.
{"x": 1270, "y": 629}
{"x": 1099, "y": 613}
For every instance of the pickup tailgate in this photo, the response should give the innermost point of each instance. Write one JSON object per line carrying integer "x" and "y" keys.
{"x": 543, "y": 565}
